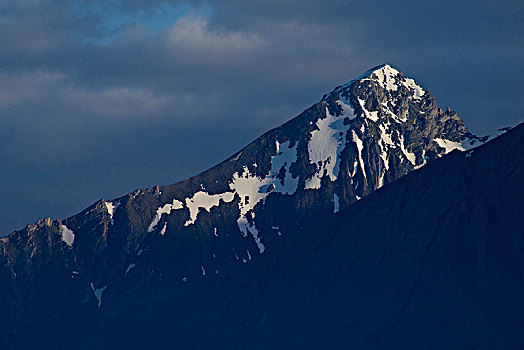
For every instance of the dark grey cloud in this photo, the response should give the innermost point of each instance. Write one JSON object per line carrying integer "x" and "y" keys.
{"x": 98, "y": 98}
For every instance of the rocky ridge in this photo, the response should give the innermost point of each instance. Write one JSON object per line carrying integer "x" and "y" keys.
{"x": 357, "y": 139}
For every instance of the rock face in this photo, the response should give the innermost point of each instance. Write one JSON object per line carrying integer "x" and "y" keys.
{"x": 235, "y": 242}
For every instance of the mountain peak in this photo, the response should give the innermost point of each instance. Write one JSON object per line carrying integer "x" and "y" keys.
{"x": 387, "y": 77}
{"x": 383, "y": 68}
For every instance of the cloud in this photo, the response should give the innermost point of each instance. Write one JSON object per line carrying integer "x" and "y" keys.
{"x": 57, "y": 95}
{"x": 193, "y": 37}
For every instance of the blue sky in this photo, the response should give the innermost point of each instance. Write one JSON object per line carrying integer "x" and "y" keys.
{"x": 114, "y": 20}
{"x": 98, "y": 98}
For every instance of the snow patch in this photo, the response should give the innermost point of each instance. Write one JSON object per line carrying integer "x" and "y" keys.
{"x": 166, "y": 209}
{"x": 409, "y": 155}
{"x": 251, "y": 189}
{"x": 98, "y": 293}
{"x": 384, "y": 143}
{"x": 449, "y": 145}
{"x": 360, "y": 147}
{"x": 396, "y": 118}
{"x": 129, "y": 268}
{"x": 336, "y": 202}
{"x": 246, "y": 227}
{"x": 424, "y": 160}
{"x": 248, "y": 187}
{"x": 386, "y": 77}
{"x": 355, "y": 165}
{"x": 286, "y": 156}
{"x": 368, "y": 114}
{"x": 381, "y": 180}
{"x": 347, "y": 110}
{"x": 410, "y": 84}
{"x": 163, "y": 231}
{"x": 111, "y": 209}
{"x": 67, "y": 235}
{"x": 326, "y": 144}
{"x": 204, "y": 200}
{"x": 385, "y": 137}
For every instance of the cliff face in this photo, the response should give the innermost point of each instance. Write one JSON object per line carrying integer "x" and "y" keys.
{"x": 210, "y": 247}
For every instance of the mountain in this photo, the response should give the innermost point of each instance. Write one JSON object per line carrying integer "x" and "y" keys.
{"x": 248, "y": 251}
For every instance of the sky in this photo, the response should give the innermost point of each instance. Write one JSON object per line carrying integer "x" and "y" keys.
{"x": 99, "y": 98}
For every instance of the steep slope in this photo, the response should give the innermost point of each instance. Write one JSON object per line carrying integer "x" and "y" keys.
{"x": 435, "y": 260}
{"x": 160, "y": 242}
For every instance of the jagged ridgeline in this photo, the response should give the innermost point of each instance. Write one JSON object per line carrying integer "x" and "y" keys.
{"x": 357, "y": 139}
